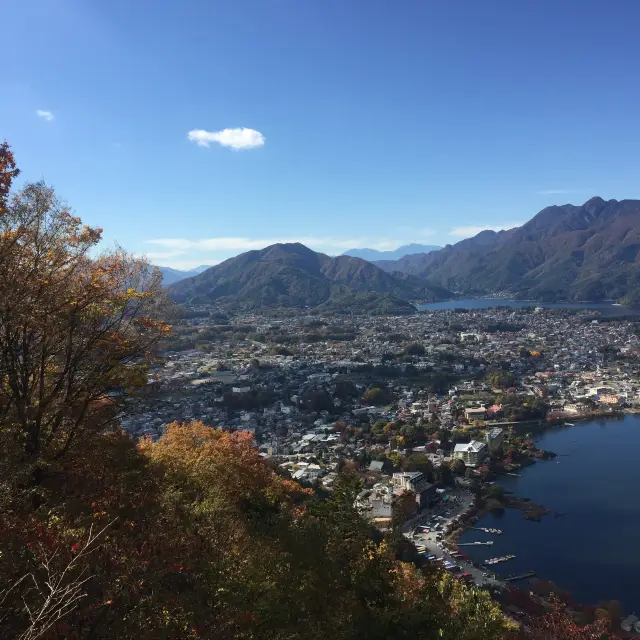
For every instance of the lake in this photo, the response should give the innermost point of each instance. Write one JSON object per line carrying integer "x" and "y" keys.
{"x": 488, "y": 303}
{"x": 593, "y": 549}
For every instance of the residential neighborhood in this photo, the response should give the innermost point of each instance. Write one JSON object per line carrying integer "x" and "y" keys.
{"x": 390, "y": 395}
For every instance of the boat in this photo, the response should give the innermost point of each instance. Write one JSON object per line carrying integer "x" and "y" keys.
{"x": 569, "y": 424}
{"x": 501, "y": 559}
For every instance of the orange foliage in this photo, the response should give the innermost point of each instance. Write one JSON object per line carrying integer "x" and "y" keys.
{"x": 74, "y": 328}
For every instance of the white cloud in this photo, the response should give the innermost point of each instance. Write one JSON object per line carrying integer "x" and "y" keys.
{"x": 183, "y": 265}
{"x": 559, "y": 192}
{"x": 472, "y": 229}
{"x": 45, "y": 115}
{"x": 242, "y": 138}
{"x": 159, "y": 256}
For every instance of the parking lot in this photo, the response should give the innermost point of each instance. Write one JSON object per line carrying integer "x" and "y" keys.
{"x": 426, "y": 532}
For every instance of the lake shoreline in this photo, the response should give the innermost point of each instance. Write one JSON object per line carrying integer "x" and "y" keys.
{"x": 590, "y": 513}
{"x": 471, "y": 303}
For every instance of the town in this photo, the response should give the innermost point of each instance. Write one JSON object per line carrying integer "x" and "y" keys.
{"x": 435, "y": 393}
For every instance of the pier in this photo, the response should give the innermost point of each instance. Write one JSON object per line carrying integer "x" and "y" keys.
{"x": 473, "y": 544}
{"x": 521, "y": 576}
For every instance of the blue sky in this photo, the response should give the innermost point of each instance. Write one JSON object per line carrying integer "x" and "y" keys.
{"x": 366, "y": 122}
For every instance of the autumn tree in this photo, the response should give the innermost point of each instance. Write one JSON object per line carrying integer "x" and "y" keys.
{"x": 76, "y": 331}
{"x": 558, "y": 625}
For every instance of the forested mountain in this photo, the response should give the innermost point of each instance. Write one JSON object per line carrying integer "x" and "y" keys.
{"x": 373, "y": 255}
{"x": 587, "y": 252}
{"x": 292, "y": 275}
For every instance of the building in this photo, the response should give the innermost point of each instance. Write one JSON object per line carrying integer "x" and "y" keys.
{"x": 472, "y": 453}
{"x": 415, "y": 482}
{"x": 495, "y": 439}
{"x": 240, "y": 389}
{"x": 475, "y": 413}
{"x": 609, "y": 398}
{"x": 375, "y": 503}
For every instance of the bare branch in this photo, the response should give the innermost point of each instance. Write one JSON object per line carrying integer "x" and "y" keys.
{"x": 59, "y": 591}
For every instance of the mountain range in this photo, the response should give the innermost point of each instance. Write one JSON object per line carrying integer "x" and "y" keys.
{"x": 372, "y": 254}
{"x": 588, "y": 252}
{"x": 169, "y": 275}
{"x": 292, "y": 275}
{"x": 566, "y": 252}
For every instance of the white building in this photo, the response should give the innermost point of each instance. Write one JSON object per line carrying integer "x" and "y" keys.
{"x": 472, "y": 453}
{"x": 376, "y": 502}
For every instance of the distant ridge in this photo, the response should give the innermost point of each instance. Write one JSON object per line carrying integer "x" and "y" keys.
{"x": 407, "y": 249}
{"x": 169, "y": 275}
{"x": 566, "y": 252}
{"x": 292, "y": 275}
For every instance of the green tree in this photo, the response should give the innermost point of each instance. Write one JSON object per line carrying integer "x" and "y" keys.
{"x": 415, "y": 349}
{"x": 417, "y": 461}
{"x": 319, "y": 400}
{"x": 495, "y": 492}
{"x": 501, "y": 379}
{"x": 376, "y": 396}
{"x": 442, "y": 474}
{"x": 458, "y": 467}
{"x": 345, "y": 389}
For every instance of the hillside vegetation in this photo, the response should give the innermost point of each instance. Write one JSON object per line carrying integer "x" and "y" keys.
{"x": 292, "y": 275}
{"x": 588, "y": 252}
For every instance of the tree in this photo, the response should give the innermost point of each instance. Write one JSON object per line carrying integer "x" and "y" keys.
{"x": 418, "y": 462}
{"x": 8, "y": 172}
{"x": 458, "y": 467}
{"x": 501, "y": 379}
{"x": 444, "y": 435}
{"x": 376, "y": 396}
{"x": 395, "y": 459}
{"x": 415, "y": 349}
{"x": 74, "y": 329}
{"x": 404, "y": 506}
{"x": 442, "y": 474}
{"x": 345, "y": 389}
{"x": 319, "y": 400}
{"x": 557, "y": 625}
{"x": 495, "y": 492}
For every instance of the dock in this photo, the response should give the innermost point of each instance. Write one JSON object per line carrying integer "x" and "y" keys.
{"x": 521, "y": 576}
{"x": 473, "y": 544}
